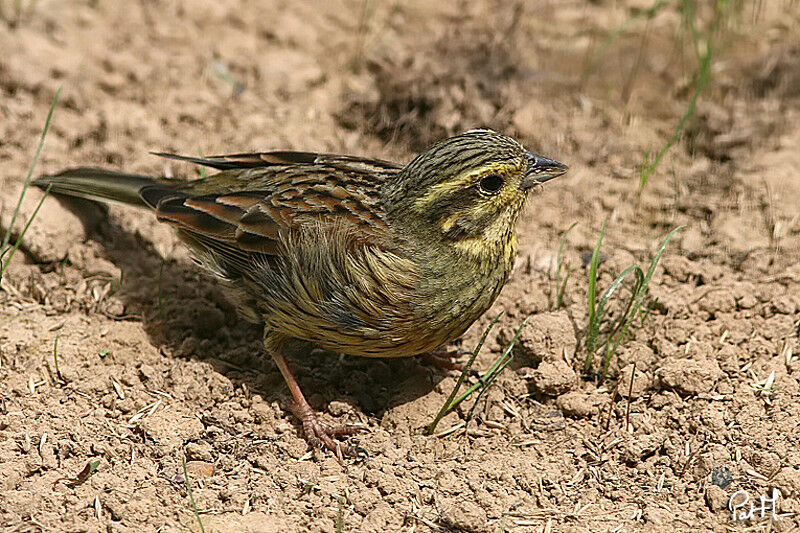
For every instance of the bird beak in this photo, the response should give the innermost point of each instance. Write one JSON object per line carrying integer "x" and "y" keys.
{"x": 541, "y": 169}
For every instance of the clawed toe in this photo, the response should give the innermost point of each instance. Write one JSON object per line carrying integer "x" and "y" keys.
{"x": 321, "y": 435}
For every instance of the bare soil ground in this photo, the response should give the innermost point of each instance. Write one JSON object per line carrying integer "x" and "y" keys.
{"x": 155, "y": 367}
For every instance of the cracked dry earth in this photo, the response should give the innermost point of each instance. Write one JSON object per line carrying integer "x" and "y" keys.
{"x": 155, "y": 368}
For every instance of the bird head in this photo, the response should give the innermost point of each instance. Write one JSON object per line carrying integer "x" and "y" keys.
{"x": 468, "y": 190}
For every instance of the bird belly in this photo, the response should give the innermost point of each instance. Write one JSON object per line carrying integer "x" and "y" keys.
{"x": 367, "y": 301}
{"x": 416, "y": 323}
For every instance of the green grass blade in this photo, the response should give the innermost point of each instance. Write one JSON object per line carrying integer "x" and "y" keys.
{"x": 647, "y": 13}
{"x": 488, "y": 382}
{"x": 659, "y": 253}
{"x": 703, "y": 76}
{"x": 561, "y": 290}
{"x": 25, "y": 185}
{"x": 559, "y": 286}
{"x": 594, "y": 323}
{"x": 617, "y": 332}
{"x": 22, "y": 234}
{"x": 27, "y": 181}
{"x": 496, "y": 368}
{"x": 638, "y": 297}
{"x": 191, "y": 496}
{"x": 616, "y": 283}
{"x": 447, "y": 407}
{"x": 637, "y": 284}
{"x": 635, "y": 303}
{"x": 597, "y": 309}
{"x": 600, "y": 312}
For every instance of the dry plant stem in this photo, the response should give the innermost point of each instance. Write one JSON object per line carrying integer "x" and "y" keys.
{"x": 316, "y": 432}
{"x": 627, "y": 88}
{"x": 611, "y": 406}
{"x": 592, "y": 298}
{"x": 60, "y": 378}
{"x": 630, "y": 399}
{"x": 691, "y": 458}
{"x": 591, "y": 62}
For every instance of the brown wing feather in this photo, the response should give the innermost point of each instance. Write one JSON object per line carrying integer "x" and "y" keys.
{"x": 254, "y": 229}
{"x": 257, "y": 222}
{"x": 267, "y": 159}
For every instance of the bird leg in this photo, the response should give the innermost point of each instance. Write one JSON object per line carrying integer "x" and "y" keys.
{"x": 445, "y": 359}
{"x": 317, "y": 433}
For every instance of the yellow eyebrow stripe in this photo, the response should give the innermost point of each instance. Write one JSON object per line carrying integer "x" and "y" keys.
{"x": 462, "y": 181}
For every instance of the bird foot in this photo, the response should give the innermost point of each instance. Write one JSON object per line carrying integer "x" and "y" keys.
{"x": 322, "y": 435}
{"x": 318, "y": 434}
{"x": 444, "y": 359}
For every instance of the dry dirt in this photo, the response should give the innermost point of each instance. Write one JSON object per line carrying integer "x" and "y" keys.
{"x": 155, "y": 367}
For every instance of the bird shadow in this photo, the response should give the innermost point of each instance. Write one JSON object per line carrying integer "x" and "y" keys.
{"x": 186, "y": 314}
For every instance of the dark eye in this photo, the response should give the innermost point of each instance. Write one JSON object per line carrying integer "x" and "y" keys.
{"x": 491, "y": 184}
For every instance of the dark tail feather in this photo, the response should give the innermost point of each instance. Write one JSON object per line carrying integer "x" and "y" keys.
{"x": 108, "y": 185}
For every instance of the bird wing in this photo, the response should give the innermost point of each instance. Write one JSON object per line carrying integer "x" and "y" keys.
{"x": 259, "y": 199}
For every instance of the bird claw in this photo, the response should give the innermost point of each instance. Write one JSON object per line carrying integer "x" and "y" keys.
{"x": 321, "y": 435}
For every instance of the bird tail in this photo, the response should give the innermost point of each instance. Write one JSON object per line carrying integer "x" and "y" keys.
{"x": 106, "y": 185}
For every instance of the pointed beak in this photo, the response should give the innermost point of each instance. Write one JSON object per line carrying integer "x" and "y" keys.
{"x": 541, "y": 169}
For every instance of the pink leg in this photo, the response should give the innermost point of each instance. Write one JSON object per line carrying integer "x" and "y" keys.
{"x": 317, "y": 433}
{"x": 444, "y": 359}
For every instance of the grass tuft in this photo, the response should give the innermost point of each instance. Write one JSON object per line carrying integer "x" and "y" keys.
{"x": 5, "y": 247}
{"x": 450, "y": 404}
{"x": 590, "y": 65}
{"x": 703, "y": 44}
{"x": 223, "y": 73}
{"x": 598, "y": 312}
{"x": 704, "y": 48}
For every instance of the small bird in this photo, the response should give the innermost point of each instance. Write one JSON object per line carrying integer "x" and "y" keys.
{"x": 359, "y": 256}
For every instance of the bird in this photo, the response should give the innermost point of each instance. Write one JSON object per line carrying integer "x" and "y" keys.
{"x": 359, "y": 256}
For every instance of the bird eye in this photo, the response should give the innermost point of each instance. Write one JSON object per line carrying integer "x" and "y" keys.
{"x": 491, "y": 184}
